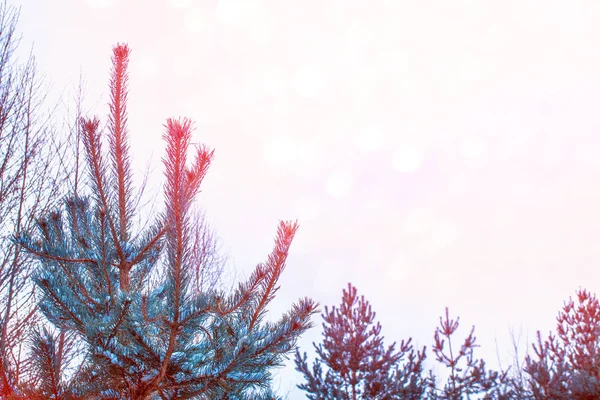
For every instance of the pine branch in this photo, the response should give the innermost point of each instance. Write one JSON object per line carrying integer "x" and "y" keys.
{"x": 93, "y": 149}
{"x": 182, "y": 184}
{"x": 151, "y": 244}
{"x": 48, "y": 256}
{"x": 274, "y": 267}
{"x": 47, "y": 358}
{"x": 246, "y": 290}
{"x": 118, "y": 140}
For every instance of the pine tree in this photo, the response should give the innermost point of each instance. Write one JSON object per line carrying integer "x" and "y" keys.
{"x": 468, "y": 375}
{"x": 130, "y": 297}
{"x": 358, "y": 366}
{"x": 567, "y": 365}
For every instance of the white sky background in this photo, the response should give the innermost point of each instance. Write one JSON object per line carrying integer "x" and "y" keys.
{"x": 435, "y": 153}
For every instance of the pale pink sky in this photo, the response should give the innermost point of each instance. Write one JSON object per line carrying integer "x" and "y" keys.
{"x": 436, "y": 153}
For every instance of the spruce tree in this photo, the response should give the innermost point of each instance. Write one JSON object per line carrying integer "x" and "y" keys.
{"x": 129, "y": 295}
{"x": 358, "y": 365}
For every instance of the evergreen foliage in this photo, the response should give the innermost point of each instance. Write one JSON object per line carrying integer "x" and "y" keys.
{"x": 352, "y": 362}
{"x": 131, "y": 314}
{"x": 567, "y": 365}
{"x": 467, "y": 375}
{"x": 150, "y": 338}
{"x": 358, "y": 365}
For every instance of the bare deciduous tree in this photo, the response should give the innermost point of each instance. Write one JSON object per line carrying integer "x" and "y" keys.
{"x": 30, "y": 168}
{"x": 207, "y": 258}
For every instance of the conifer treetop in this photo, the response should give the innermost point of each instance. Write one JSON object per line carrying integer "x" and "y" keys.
{"x": 148, "y": 332}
